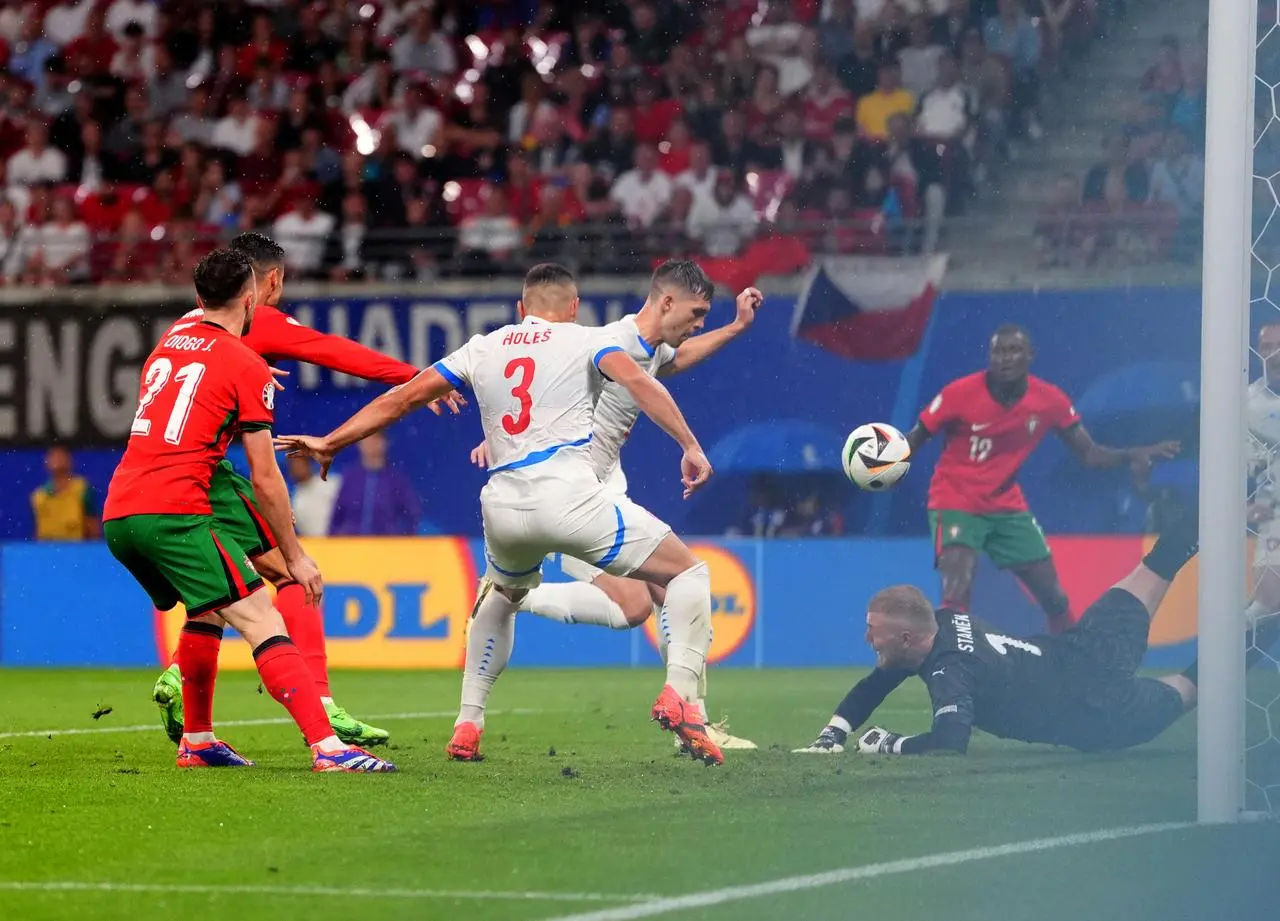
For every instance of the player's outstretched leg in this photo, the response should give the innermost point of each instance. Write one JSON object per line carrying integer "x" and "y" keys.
{"x": 198, "y": 647}
{"x": 719, "y": 730}
{"x": 490, "y": 638}
{"x": 287, "y": 679}
{"x": 305, "y": 625}
{"x": 685, "y": 624}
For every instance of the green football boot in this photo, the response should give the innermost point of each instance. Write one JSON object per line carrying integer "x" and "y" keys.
{"x": 168, "y": 696}
{"x": 352, "y": 731}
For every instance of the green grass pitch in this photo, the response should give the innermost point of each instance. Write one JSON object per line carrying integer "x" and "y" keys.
{"x": 582, "y": 808}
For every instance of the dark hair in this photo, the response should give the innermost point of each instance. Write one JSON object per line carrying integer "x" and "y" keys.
{"x": 548, "y": 273}
{"x": 221, "y": 276}
{"x": 1012, "y": 329}
{"x": 684, "y": 275}
{"x": 262, "y": 251}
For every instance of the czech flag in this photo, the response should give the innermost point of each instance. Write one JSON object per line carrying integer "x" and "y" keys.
{"x": 869, "y": 308}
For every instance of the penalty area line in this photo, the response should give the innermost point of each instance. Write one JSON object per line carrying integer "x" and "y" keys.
{"x": 712, "y": 897}
{"x": 55, "y": 886}
{"x": 271, "y": 721}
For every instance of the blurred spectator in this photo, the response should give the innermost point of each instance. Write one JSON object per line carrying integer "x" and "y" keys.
{"x": 373, "y": 498}
{"x": 737, "y": 72}
{"x": 671, "y": 229}
{"x": 700, "y": 177}
{"x": 489, "y": 239}
{"x": 313, "y": 499}
{"x": 960, "y": 16}
{"x": 302, "y": 233}
{"x": 550, "y": 233}
{"x": 348, "y": 246}
{"x": 765, "y": 511}
{"x": 310, "y": 49}
{"x": 32, "y": 50}
{"x": 59, "y": 252}
{"x": 54, "y": 96}
{"x": 888, "y": 99}
{"x": 1059, "y": 230}
{"x": 914, "y": 165}
{"x": 423, "y": 48}
{"x": 133, "y": 255}
{"x": 675, "y": 151}
{"x": 1163, "y": 80}
{"x": 238, "y": 129}
{"x": 194, "y": 123}
{"x": 151, "y": 157}
{"x": 724, "y": 222}
{"x": 1177, "y": 181}
{"x": 1011, "y": 33}
{"x": 1188, "y": 112}
{"x": 615, "y": 150}
{"x": 10, "y": 242}
{"x": 766, "y": 102}
{"x": 90, "y": 53}
{"x": 167, "y": 88}
{"x": 37, "y": 161}
{"x": 1116, "y": 179}
{"x": 217, "y": 201}
{"x": 835, "y": 35}
{"x": 649, "y": 41}
{"x": 786, "y": 44}
{"x": 134, "y": 59}
{"x": 796, "y": 150}
{"x": 825, "y": 102}
{"x": 735, "y": 150}
{"x": 919, "y": 60}
{"x": 653, "y": 115}
{"x": 417, "y": 125}
{"x": 124, "y": 138}
{"x": 532, "y": 107}
{"x": 374, "y": 88}
{"x": 523, "y": 188}
{"x": 945, "y": 112}
{"x": 121, "y": 13}
{"x": 643, "y": 192}
{"x": 810, "y": 518}
{"x": 66, "y": 507}
{"x": 64, "y": 21}
{"x": 859, "y": 70}
{"x": 268, "y": 91}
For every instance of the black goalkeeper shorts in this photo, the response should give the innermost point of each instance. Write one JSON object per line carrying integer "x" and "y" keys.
{"x": 1113, "y": 708}
{"x": 1131, "y": 716}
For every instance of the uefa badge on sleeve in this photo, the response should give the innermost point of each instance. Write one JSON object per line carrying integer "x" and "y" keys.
{"x": 269, "y": 396}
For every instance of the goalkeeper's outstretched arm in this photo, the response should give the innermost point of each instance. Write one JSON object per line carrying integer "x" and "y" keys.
{"x": 856, "y": 708}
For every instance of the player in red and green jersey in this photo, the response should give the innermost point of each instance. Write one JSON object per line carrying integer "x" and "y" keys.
{"x": 200, "y": 386}
{"x": 992, "y": 421}
{"x": 275, "y": 335}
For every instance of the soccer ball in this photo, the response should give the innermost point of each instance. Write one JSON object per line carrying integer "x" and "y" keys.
{"x": 876, "y": 456}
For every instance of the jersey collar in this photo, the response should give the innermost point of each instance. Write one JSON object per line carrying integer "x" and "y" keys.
{"x": 532, "y": 319}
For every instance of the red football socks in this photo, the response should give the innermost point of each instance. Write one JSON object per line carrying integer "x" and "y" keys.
{"x": 197, "y": 658}
{"x": 287, "y": 679}
{"x": 305, "y": 624}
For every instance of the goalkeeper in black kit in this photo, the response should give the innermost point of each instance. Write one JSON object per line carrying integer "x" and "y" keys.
{"x": 1078, "y": 688}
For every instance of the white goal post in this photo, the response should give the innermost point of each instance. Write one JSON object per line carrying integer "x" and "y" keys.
{"x": 1223, "y": 431}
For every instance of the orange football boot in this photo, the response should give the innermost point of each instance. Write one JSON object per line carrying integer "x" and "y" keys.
{"x": 672, "y": 712}
{"x": 465, "y": 744}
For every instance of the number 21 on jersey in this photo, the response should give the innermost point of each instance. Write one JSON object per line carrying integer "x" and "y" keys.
{"x": 157, "y": 375}
{"x": 523, "y": 367}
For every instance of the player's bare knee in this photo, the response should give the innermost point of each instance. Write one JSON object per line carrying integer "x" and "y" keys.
{"x": 636, "y": 603}
{"x": 255, "y": 618}
{"x": 514, "y": 595}
{"x": 212, "y": 618}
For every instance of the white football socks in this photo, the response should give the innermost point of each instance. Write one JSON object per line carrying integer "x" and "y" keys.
{"x": 702, "y": 677}
{"x": 575, "y": 603}
{"x": 493, "y": 633}
{"x": 685, "y": 626}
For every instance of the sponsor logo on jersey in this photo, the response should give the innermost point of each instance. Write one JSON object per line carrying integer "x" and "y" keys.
{"x": 979, "y": 428}
{"x": 733, "y": 602}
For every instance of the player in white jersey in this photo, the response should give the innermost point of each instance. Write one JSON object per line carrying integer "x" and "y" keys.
{"x": 536, "y": 384}
{"x": 1263, "y": 404}
{"x": 596, "y": 597}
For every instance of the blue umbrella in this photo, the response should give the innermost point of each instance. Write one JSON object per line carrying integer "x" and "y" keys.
{"x": 784, "y": 446}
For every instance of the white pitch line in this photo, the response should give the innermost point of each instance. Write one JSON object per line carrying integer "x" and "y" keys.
{"x": 295, "y": 891}
{"x": 712, "y": 897}
{"x": 272, "y": 721}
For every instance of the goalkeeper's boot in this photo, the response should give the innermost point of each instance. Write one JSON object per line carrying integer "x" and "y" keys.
{"x": 167, "y": 694}
{"x": 829, "y": 742}
{"x": 353, "y": 731}
{"x": 349, "y": 761}
{"x": 210, "y": 755}
{"x": 465, "y": 744}
{"x": 675, "y": 714}
{"x": 719, "y": 733}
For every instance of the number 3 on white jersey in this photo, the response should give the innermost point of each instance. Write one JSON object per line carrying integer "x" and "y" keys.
{"x": 157, "y": 375}
{"x": 1002, "y": 644}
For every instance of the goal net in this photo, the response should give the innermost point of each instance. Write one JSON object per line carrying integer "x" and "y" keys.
{"x": 1262, "y": 622}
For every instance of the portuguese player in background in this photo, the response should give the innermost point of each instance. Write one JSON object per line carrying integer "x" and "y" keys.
{"x": 991, "y": 422}
{"x": 200, "y": 386}
{"x": 275, "y": 335}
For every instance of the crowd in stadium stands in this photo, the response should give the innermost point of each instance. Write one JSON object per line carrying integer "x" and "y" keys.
{"x": 410, "y": 139}
{"x": 1144, "y": 199}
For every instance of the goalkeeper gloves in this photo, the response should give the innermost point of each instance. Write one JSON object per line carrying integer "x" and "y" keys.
{"x": 829, "y": 742}
{"x": 877, "y": 741}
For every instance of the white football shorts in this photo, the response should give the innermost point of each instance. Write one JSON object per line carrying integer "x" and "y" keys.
{"x": 597, "y": 528}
